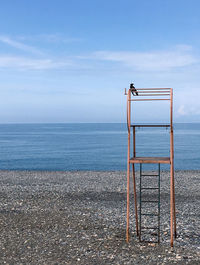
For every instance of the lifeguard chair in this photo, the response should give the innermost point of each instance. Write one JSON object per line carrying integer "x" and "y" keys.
{"x": 144, "y": 95}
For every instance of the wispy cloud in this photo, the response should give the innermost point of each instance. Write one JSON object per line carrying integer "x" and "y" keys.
{"x": 58, "y": 38}
{"x": 35, "y": 59}
{"x": 19, "y": 45}
{"x": 187, "y": 110}
{"x": 52, "y": 38}
{"x": 181, "y": 110}
{"x": 144, "y": 62}
{"x": 16, "y": 62}
{"x": 180, "y": 56}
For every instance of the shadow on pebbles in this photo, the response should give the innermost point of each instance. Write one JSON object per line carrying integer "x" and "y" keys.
{"x": 80, "y": 218}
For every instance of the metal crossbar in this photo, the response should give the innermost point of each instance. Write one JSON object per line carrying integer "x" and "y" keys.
{"x": 148, "y": 93}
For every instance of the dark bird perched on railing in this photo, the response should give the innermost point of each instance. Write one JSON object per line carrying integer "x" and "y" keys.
{"x": 133, "y": 89}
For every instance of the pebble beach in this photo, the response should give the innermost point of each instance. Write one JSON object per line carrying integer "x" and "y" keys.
{"x": 79, "y": 217}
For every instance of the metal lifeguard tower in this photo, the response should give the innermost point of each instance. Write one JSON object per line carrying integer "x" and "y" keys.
{"x": 143, "y": 95}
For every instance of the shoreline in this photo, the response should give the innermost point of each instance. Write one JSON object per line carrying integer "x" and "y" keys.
{"x": 79, "y": 217}
{"x": 95, "y": 171}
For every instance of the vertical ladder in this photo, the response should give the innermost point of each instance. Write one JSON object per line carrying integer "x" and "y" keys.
{"x": 143, "y": 202}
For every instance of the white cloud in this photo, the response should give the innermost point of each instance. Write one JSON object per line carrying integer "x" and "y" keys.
{"x": 30, "y": 63}
{"x": 143, "y": 62}
{"x": 188, "y": 107}
{"x": 58, "y": 38}
{"x": 19, "y": 45}
{"x": 37, "y": 61}
{"x": 181, "y": 110}
{"x": 180, "y": 56}
{"x": 53, "y": 38}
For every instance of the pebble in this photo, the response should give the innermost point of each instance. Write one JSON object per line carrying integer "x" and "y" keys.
{"x": 80, "y": 217}
{"x": 178, "y": 257}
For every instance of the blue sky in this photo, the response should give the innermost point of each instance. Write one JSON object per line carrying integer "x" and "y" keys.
{"x": 69, "y": 61}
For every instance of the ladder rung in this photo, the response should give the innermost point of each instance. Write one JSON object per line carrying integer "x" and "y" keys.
{"x": 150, "y": 201}
{"x": 149, "y": 214}
{"x": 149, "y": 188}
{"x": 152, "y": 175}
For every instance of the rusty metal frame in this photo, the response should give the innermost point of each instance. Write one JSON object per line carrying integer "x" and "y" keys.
{"x": 160, "y": 94}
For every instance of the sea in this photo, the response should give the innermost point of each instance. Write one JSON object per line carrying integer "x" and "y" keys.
{"x": 93, "y": 146}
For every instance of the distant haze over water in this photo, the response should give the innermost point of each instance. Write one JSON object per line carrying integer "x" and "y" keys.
{"x": 94, "y": 146}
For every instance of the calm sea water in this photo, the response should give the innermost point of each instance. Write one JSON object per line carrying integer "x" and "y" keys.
{"x": 91, "y": 146}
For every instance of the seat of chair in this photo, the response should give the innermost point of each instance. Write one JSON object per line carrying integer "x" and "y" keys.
{"x": 150, "y": 160}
